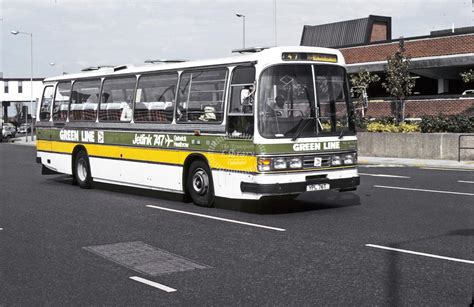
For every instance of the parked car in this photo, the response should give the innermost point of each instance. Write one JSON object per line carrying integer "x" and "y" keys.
{"x": 8, "y": 130}
{"x": 468, "y": 92}
{"x": 23, "y": 128}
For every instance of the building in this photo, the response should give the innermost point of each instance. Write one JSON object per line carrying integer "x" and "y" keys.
{"x": 437, "y": 61}
{"x": 17, "y": 91}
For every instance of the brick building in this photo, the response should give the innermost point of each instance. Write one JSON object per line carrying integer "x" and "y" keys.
{"x": 437, "y": 61}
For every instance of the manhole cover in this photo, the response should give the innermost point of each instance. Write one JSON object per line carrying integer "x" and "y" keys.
{"x": 144, "y": 258}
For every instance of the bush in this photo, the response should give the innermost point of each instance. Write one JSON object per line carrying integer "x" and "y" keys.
{"x": 443, "y": 123}
{"x": 391, "y": 127}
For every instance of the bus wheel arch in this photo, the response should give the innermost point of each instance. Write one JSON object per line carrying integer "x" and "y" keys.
{"x": 198, "y": 184}
{"x": 81, "y": 170}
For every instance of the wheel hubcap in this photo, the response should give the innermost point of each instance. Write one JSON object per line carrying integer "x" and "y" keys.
{"x": 82, "y": 170}
{"x": 200, "y": 181}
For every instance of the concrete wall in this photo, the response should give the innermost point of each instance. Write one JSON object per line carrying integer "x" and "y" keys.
{"x": 443, "y": 146}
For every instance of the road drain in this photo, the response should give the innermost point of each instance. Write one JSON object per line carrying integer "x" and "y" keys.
{"x": 145, "y": 258}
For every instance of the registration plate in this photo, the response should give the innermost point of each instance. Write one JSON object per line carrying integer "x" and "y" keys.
{"x": 317, "y": 187}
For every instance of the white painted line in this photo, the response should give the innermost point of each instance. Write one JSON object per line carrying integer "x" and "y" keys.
{"x": 153, "y": 284}
{"x": 448, "y": 169}
{"x": 423, "y": 190}
{"x": 464, "y": 181}
{"x": 383, "y": 175}
{"x": 217, "y": 218}
{"x": 379, "y": 165}
{"x": 420, "y": 254}
{"x": 1, "y": 228}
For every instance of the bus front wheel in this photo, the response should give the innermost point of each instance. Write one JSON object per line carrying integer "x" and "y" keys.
{"x": 82, "y": 170}
{"x": 199, "y": 184}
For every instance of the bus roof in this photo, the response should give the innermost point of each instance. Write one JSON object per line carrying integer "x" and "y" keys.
{"x": 265, "y": 56}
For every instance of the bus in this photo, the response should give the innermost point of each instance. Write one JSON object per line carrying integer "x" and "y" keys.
{"x": 272, "y": 122}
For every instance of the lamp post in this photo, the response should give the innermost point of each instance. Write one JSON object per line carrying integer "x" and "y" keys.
{"x": 60, "y": 66}
{"x": 243, "y": 28}
{"x": 14, "y": 32}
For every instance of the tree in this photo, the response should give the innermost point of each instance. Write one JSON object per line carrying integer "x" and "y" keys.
{"x": 359, "y": 84}
{"x": 468, "y": 76}
{"x": 399, "y": 83}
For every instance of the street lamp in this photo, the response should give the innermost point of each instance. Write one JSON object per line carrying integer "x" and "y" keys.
{"x": 14, "y": 32}
{"x": 60, "y": 66}
{"x": 243, "y": 28}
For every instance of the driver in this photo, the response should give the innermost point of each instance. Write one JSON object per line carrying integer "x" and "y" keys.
{"x": 280, "y": 108}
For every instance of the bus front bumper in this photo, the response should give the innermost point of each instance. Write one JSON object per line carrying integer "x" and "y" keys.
{"x": 299, "y": 187}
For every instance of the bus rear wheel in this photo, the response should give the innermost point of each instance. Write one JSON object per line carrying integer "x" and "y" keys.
{"x": 82, "y": 170}
{"x": 199, "y": 184}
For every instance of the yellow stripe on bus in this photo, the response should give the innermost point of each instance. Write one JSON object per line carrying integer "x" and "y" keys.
{"x": 216, "y": 160}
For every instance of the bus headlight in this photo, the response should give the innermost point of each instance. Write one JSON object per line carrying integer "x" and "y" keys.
{"x": 349, "y": 159}
{"x": 279, "y": 163}
{"x": 295, "y": 163}
{"x": 336, "y": 160}
{"x": 264, "y": 164}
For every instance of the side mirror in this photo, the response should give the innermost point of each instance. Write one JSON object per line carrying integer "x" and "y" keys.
{"x": 244, "y": 97}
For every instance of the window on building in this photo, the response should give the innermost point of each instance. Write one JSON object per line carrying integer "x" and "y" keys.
{"x": 116, "y": 99}
{"x": 46, "y": 103}
{"x": 201, "y": 96}
{"x": 155, "y": 98}
{"x": 5, "y": 87}
{"x": 61, "y": 101}
{"x": 20, "y": 87}
{"x": 84, "y": 100}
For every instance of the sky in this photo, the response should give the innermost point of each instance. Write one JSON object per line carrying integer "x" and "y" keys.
{"x": 75, "y": 34}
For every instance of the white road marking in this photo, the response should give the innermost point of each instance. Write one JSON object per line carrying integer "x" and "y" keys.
{"x": 217, "y": 218}
{"x": 423, "y": 190}
{"x": 420, "y": 254}
{"x": 1, "y": 228}
{"x": 379, "y": 165}
{"x": 464, "y": 181}
{"x": 153, "y": 284}
{"x": 383, "y": 175}
{"x": 447, "y": 169}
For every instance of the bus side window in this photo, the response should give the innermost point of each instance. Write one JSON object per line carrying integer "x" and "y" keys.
{"x": 241, "y": 106}
{"x": 155, "y": 97}
{"x": 61, "y": 101}
{"x": 201, "y": 96}
{"x": 46, "y": 103}
{"x": 116, "y": 99}
{"x": 84, "y": 100}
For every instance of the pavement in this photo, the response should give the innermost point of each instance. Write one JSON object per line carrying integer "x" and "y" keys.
{"x": 423, "y": 163}
{"x": 380, "y": 161}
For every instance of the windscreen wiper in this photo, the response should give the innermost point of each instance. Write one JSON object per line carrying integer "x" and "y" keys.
{"x": 300, "y": 127}
{"x": 341, "y": 135}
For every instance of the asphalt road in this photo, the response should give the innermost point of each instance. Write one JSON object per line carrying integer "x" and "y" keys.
{"x": 61, "y": 245}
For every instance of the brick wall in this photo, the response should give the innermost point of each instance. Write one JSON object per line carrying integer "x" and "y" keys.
{"x": 418, "y": 108}
{"x": 427, "y": 47}
{"x": 379, "y": 32}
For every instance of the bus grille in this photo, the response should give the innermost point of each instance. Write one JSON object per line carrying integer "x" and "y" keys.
{"x": 308, "y": 161}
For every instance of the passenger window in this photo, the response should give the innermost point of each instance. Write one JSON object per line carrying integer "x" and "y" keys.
{"x": 116, "y": 99}
{"x": 155, "y": 98}
{"x": 84, "y": 100}
{"x": 46, "y": 103}
{"x": 201, "y": 96}
{"x": 241, "y": 106}
{"x": 61, "y": 101}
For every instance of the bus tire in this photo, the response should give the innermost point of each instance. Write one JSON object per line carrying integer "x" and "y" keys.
{"x": 199, "y": 184}
{"x": 82, "y": 170}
